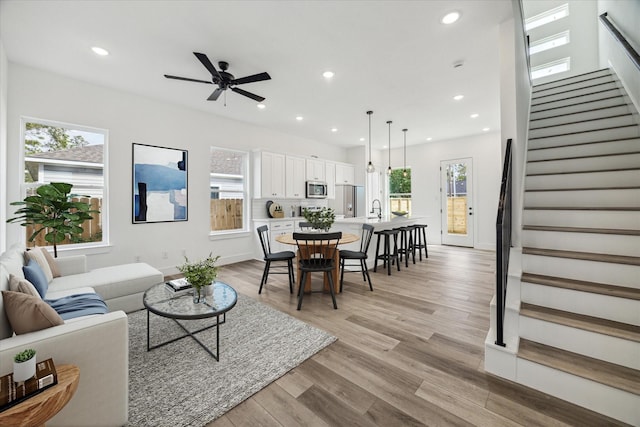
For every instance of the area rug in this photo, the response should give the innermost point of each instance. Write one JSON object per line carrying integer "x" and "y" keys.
{"x": 182, "y": 385}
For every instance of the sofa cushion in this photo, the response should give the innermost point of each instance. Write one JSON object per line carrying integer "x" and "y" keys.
{"x": 34, "y": 274}
{"x": 27, "y": 313}
{"x": 37, "y": 255}
{"x": 17, "y": 284}
{"x": 53, "y": 264}
{"x": 13, "y": 260}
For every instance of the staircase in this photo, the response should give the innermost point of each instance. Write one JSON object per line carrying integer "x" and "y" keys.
{"x": 578, "y": 323}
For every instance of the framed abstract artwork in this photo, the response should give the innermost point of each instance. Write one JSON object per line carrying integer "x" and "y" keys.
{"x": 159, "y": 184}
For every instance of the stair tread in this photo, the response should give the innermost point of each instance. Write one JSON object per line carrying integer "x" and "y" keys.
{"x": 569, "y": 91}
{"x": 575, "y": 97}
{"x": 582, "y": 286}
{"x": 622, "y": 104}
{"x": 606, "y": 71}
{"x": 587, "y": 256}
{"x": 592, "y": 156}
{"x": 583, "y": 230}
{"x": 582, "y": 132}
{"x": 600, "y": 371}
{"x": 582, "y": 321}
{"x": 582, "y": 143}
{"x": 580, "y": 121}
{"x": 578, "y": 188}
{"x": 611, "y": 96}
{"x": 584, "y": 208}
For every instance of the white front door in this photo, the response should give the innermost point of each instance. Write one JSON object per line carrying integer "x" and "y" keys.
{"x": 457, "y": 202}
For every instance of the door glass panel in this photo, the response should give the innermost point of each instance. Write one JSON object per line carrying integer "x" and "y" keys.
{"x": 456, "y": 192}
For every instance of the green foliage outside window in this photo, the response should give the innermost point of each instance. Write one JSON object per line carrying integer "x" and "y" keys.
{"x": 398, "y": 183}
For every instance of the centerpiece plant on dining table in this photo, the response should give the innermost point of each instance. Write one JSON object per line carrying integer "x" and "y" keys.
{"x": 321, "y": 220}
{"x": 200, "y": 274}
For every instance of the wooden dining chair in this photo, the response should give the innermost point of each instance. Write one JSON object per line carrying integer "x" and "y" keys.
{"x": 316, "y": 253}
{"x": 270, "y": 257}
{"x": 360, "y": 256}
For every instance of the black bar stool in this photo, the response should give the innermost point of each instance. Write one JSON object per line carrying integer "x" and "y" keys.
{"x": 420, "y": 239}
{"x": 406, "y": 244}
{"x": 387, "y": 256}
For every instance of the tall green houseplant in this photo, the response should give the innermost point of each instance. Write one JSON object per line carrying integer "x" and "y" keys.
{"x": 53, "y": 212}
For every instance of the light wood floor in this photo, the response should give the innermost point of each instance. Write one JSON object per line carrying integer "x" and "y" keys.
{"x": 410, "y": 353}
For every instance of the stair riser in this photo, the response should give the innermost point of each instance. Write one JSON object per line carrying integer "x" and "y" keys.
{"x": 568, "y": 218}
{"x": 577, "y": 100}
{"x": 580, "y": 117}
{"x": 615, "y": 403}
{"x": 582, "y": 78}
{"x": 576, "y": 108}
{"x": 542, "y": 92}
{"x": 595, "y": 149}
{"x": 580, "y": 198}
{"x": 603, "y": 306}
{"x": 585, "y": 137}
{"x": 578, "y": 269}
{"x": 601, "y": 163}
{"x": 599, "y": 346}
{"x": 611, "y": 244}
{"x": 574, "y": 93}
{"x": 590, "y": 125}
{"x": 584, "y": 180}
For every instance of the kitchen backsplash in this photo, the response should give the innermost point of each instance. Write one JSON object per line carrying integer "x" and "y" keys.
{"x": 259, "y": 206}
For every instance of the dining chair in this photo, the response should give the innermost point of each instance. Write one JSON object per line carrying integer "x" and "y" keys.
{"x": 316, "y": 253}
{"x": 360, "y": 256}
{"x": 269, "y": 257}
{"x": 305, "y": 226}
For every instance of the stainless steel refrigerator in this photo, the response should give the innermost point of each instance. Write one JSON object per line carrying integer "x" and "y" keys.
{"x": 349, "y": 201}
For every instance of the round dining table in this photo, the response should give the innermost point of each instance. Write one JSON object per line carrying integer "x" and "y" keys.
{"x": 288, "y": 239}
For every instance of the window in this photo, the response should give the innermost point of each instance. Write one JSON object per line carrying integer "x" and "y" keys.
{"x": 400, "y": 191}
{"x": 551, "y": 68}
{"x": 547, "y": 16}
{"x": 549, "y": 42}
{"x": 60, "y": 152}
{"x": 228, "y": 190}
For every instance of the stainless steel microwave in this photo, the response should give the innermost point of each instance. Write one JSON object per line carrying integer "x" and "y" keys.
{"x": 316, "y": 190}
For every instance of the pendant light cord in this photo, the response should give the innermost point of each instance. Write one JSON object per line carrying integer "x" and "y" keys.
{"x": 405, "y": 152}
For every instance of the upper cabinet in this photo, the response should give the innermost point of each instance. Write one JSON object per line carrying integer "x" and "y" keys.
{"x": 272, "y": 175}
{"x": 315, "y": 170}
{"x": 330, "y": 178}
{"x": 295, "y": 177}
{"x": 345, "y": 174}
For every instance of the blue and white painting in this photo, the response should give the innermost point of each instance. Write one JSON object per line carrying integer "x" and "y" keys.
{"x": 159, "y": 184}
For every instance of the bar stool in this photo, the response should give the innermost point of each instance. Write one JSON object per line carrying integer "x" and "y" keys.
{"x": 406, "y": 244}
{"x": 420, "y": 239}
{"x": 387, "y": 256}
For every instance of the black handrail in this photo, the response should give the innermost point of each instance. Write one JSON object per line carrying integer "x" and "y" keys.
{"x": 630, "y": 51}
{"x": 503, "y": 244}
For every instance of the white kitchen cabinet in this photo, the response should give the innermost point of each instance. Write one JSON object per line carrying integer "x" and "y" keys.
{"x": 295, "y": 177}
{"x": 276, "y": 228}
{"x": 315, "y": 170}
{"x": 271, "y": 174}
{"x": 330, "y": 178}
{"x": 345, "y": 174}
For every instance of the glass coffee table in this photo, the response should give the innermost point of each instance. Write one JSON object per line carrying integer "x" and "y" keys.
{"x": 164, "y": 302}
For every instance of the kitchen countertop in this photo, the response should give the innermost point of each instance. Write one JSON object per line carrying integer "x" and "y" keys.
{"x": 385, "y": 220}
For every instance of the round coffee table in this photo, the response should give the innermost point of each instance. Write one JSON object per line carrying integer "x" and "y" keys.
{"x": 162, "y": 301}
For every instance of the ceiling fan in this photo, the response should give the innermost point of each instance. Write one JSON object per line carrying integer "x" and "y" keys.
{"x": 224, "y": 80}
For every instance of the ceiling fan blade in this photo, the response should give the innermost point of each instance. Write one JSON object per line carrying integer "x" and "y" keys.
{"x": 248, "y": 94}
{"x": 208, "y": 65}
{"x": 250, "y": 79}
{"x": 187, "y": 79}
{"x": 215, "y": 95}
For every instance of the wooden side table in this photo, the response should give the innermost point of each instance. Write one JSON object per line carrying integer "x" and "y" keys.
{"x": 38, "y": 409}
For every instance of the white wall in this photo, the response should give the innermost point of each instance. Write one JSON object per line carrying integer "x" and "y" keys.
{"x": 131, "y": 118}
{"x": 625, "y": 15}
{"x": 3, "y": 146}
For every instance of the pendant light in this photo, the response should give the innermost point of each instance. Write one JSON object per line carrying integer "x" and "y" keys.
{"x": 370, "y": 167}
{"x": 404, "y": 170}
{"x": 389, "y": 169}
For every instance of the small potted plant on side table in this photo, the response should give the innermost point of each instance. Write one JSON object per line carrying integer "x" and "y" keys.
{"x": 200, "y": 274}
{"x": 24, "y": 365}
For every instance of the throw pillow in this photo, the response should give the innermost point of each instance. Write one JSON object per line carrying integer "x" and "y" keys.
{"x": 37, "y": 255}
{"x": 34, "y": 274}
{"x": 53, "y": 265}
{"x": 17, "y": 284}
{"x": 27, "y": 313}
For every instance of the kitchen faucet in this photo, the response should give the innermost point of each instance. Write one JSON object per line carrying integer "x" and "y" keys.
{"x": 373, "y": 207}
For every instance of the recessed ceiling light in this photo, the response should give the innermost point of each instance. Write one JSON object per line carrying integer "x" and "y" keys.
{"x": 261, "y": 106}
{"x": 299, "y": 118}
{"x": 328, "y": 74}
{"x": 485, "y": 129}
{"x": 475, "y": 115}
{"x": 450, "y": 17}
{"x": 361, "y": 139}
{"x": 429, "y": 139}
{"x": 334, "y": 129}
{"x": 100, "y": 51}
{"x": 458, "y": 97}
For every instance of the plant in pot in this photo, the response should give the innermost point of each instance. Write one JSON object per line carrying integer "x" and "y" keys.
{"x": 24, "y": 365}
{"x": 321, "y": 220}
{"x": 52, "y": 211}
{"x": 200, "y": 274}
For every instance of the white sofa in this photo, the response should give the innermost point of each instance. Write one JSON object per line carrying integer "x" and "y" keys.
{"x": 97, "y": 344}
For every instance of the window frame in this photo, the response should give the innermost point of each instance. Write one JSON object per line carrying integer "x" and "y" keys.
{"x": 246, "y": 193}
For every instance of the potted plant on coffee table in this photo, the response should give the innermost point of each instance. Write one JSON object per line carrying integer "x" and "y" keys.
{"x": 200, "y": 274}
{"x": 24, "y": 365}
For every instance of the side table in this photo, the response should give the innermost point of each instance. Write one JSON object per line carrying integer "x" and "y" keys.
{"x": 38, "y": 409}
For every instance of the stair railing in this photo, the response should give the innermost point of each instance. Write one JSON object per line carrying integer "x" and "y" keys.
{"x": 630, "y": 51}
{"x": 503, "y": 244}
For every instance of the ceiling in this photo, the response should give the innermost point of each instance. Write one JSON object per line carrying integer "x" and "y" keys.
{"x": 392, "y": 57}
